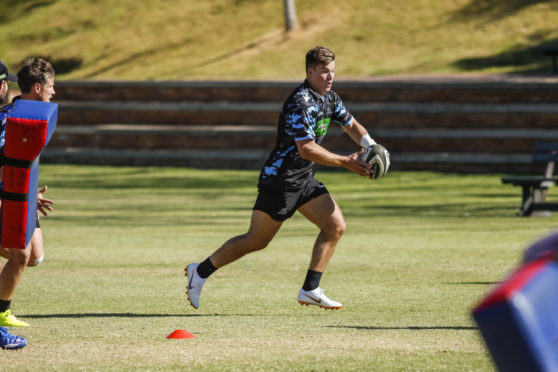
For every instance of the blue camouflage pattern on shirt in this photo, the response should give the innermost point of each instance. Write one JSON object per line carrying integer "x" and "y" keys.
{"x": 305, "y": 116}
{"x": 4, "y": 111}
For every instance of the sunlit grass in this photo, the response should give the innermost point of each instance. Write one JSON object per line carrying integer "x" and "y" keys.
{"x": 419, "y": 251}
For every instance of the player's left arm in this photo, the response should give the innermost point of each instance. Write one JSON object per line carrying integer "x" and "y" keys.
{"x": 359, "y": 134}
{"x": 354, "y": 129}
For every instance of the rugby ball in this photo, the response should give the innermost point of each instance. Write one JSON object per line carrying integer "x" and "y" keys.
{"x": 378, "y": 157}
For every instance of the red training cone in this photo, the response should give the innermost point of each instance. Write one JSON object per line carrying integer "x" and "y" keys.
{"x": 180, "y": 333}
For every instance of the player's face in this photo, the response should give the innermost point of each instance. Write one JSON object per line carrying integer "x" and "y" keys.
{"x": 3, "y": 90}
{"x": 320, "y": 77}
{"x": 46, "y": 91}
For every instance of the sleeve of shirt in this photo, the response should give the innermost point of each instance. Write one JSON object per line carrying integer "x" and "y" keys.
{"x": 2, "y": 130}
{"x": 301, "y": 118}
{"x": 341, "y": 114}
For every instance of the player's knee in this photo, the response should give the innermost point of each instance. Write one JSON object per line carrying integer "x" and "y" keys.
{"x": 36, "y": 261}
{"x": 4, "y": 253}
{"x": 340, "y": 230}
{"x": 257, "y": 243}
{"x": 337, "y": 230}
{"x": 20, "y": 256}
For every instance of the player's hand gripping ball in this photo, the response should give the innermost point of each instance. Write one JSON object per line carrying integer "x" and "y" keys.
{"x": 378, "y": 157}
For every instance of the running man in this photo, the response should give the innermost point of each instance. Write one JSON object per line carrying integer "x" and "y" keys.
{"x": 7, "y": 340}
{"x": 287, "y": 183}
{"x": 36, "y": 83}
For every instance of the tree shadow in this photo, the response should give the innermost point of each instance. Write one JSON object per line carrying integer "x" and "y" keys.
{"x": 472, "y": 283}
{"x": 133, "y": 315}
{"x": 133, "y": 57}
{"x": 454, "y": 210}
{"x": 410, "y": 328}
{"x": 60, "y": 65}
{"x": 17, "y": 8}
{"x": 525, "y": 59}
{"x": 149, "y": 182}
{"x": 66, "y": 65}
{"x": 105, "y": 315}
{"x": 494, "y": 9}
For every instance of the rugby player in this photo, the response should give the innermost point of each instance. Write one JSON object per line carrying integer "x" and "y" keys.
{"x": 287, "y": 183}
{"x": 36, "y": 82}
{"x": 7, "y": 340}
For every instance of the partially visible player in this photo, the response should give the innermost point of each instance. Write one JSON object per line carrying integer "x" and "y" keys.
{"x": 7, "y": 340}
{"x": 36, "y": 82}
{"x": 287, "y": 183}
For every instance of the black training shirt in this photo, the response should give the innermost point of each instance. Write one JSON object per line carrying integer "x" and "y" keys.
{"x": 305, "y": 115}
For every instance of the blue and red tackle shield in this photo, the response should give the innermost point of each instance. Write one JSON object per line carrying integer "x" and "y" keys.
{"x": 29, "y": 127}
{"x": 519, "y": 319}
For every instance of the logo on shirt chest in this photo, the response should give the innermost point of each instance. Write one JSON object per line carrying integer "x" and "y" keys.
{"x": 321, "y": 126}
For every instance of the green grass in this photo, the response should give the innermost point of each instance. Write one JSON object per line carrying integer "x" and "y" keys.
{"x": 420, "y": 250}
{"x": 244, "y": 39}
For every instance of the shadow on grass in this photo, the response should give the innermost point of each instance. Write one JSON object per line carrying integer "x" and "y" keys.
{"x": 139, "y": 219}
{"x": 103, "y": 67}
{"x": 494, "y": 9}
{"x": 431, "y": 210}
{"x": 131, "y": 180}
{"x": 411, "y": 328}
{"x": 133, "y": 315}
{"x": 526, "y": 59}
{"x": 19, "y": 8}
{"x": 473, "y": 283}
{"x": 60, "y": 65}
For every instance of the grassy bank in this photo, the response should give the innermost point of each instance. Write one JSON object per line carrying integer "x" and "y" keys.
{"x": 244, "y": 39}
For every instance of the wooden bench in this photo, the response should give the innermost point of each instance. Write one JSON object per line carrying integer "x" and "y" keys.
{"x": 535, "y": 188}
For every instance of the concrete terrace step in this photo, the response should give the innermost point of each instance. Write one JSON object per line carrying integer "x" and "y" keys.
{"x": 254, "y": 159}
{"x": 143, "y": 137}
{"x": 542, "y": 115}
{"x": 453, "y": 123}
{"x": 466, "y": 88}
{"x": 235, "y": 137}
{"x": 248, "y": 159}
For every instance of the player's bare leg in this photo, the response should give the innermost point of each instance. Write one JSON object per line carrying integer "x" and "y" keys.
{"x": 9, "y": 279}
{"x": 326, "y": 214}
{"x": 11, "y": 273}
{"x": 37, "y": 250}
{"x": 262, "y": 230}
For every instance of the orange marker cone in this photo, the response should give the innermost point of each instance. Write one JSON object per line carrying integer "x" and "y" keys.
{"x": 180, "y": 333}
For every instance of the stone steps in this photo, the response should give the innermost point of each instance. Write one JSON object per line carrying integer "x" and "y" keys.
{"x": 495, "y": 150}
{"x": 263, "y": 137}
{"x": 375, "y": 115}
{"x": 426, "y": 89}
{"x": 464, "y": 124}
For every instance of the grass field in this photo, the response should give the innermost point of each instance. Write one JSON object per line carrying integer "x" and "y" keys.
{"x": 420, "y": 250}
{"x": 245, "y": 39}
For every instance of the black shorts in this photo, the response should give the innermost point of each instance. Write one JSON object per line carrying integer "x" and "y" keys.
{"x": 281, "y": 205}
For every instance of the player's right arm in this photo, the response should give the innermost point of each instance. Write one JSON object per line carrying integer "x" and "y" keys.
{"x": 310, "y": 150}
{"x": 44, "y": 205}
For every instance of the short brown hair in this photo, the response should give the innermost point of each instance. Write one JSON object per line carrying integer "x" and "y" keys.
{"x": 319, "y": 56}
{"x": 34, "y": 70}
